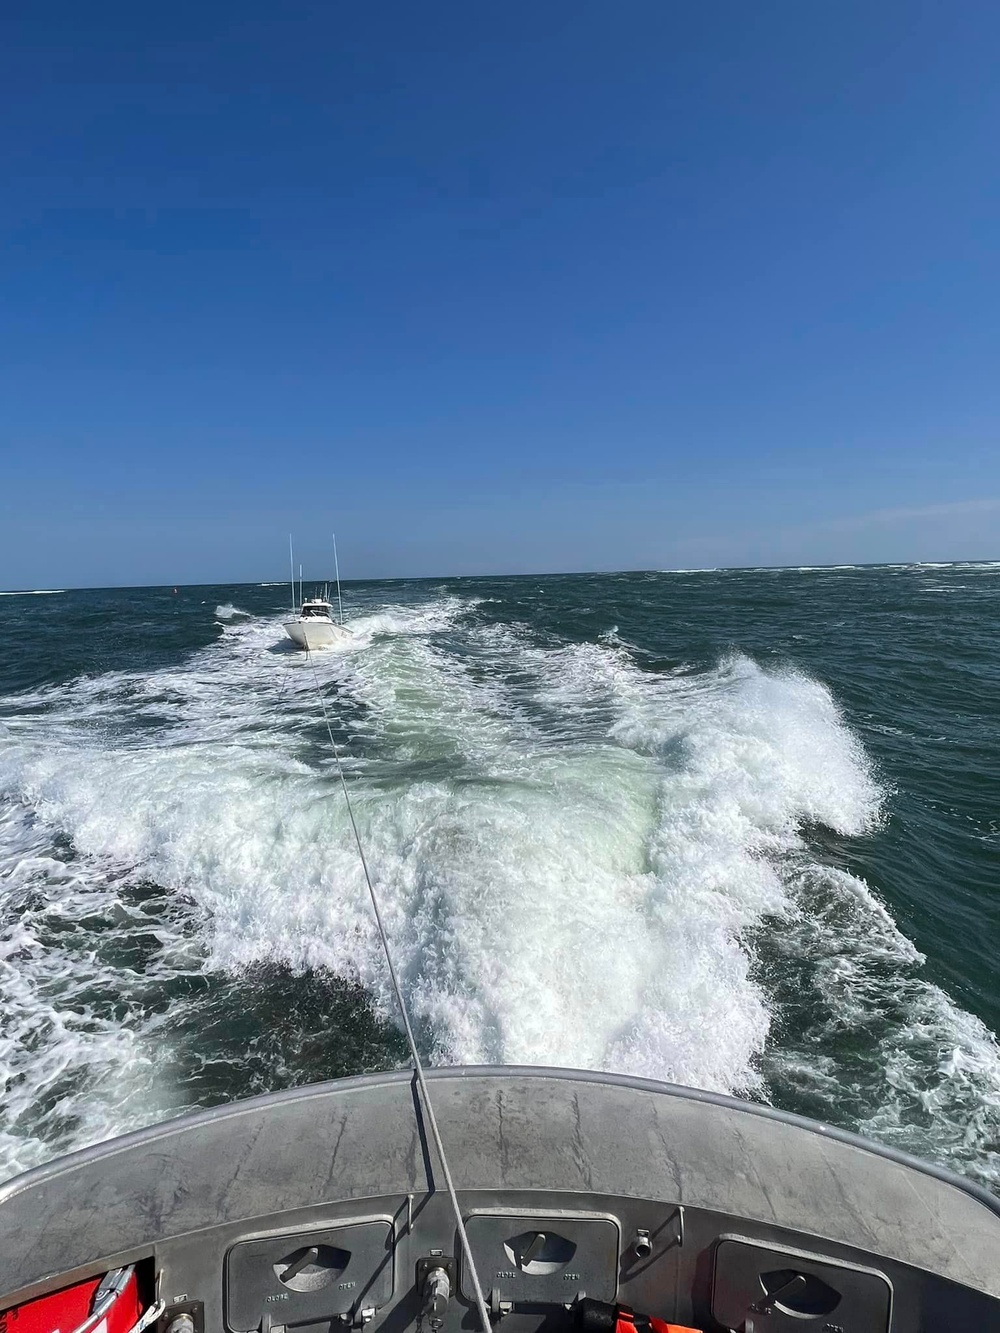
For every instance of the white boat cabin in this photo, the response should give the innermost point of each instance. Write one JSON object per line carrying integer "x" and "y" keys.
{"x": 316, "y": 608}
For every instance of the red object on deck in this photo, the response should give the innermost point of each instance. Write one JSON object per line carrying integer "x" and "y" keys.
{"x": 74, "y": 1308}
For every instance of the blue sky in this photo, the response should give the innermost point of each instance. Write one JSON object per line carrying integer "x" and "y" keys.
{"x": 496, "y": 287}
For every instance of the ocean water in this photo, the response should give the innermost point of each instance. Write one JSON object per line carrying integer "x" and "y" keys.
{"x": 736, "y": 829}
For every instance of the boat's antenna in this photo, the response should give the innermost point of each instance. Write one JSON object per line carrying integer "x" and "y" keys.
{"x": 300, "y": 585}
{"x": 336, "y": 565}
{"x": 418, "y": 1067}
{"x": 291, "y": 563}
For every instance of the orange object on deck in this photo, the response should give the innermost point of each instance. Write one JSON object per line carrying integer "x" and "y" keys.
{"x": 625, "y": 1324}
{"x": 656, "y": 1325}
{"x": 594, "y": 1316}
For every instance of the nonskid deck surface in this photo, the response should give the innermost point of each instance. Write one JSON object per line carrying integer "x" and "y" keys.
{"x": 325, "y": 1206}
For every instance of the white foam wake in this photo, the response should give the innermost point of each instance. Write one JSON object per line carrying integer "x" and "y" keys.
{"x": 574, "y": 904}
{"x": 576, "y": 857}
{"x": 73, "y": 1071}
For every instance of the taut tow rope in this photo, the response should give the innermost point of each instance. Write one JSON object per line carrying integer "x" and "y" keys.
{"x": 411, "y": 1040}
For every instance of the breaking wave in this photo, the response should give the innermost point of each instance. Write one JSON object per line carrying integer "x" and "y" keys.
{"x": 227, "y": 613}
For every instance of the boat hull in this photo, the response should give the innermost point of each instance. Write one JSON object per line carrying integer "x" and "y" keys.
{"x": 690, "y": 1205}
{"x": 313, "y": 634}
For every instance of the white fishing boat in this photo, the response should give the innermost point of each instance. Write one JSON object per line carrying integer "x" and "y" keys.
{"x": 315, "y": 626}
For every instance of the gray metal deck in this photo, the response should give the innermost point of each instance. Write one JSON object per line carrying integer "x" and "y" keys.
{"x": 582, "y": 1150}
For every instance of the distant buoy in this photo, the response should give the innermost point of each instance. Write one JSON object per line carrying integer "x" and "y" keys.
{"x": 175, "y": 592}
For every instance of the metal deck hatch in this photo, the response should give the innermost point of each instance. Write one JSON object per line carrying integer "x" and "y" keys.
{"x": 309, "y": 1276}
{"x": 528, "y": 1258}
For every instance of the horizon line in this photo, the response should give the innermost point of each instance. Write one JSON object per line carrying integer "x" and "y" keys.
{"x": 539, "y": 574}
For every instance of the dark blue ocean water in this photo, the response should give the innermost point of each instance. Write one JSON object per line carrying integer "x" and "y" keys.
{"x": 738, "y": 829}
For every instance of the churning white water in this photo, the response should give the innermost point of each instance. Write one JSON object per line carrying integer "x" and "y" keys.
{"x": 577, "y": 858}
